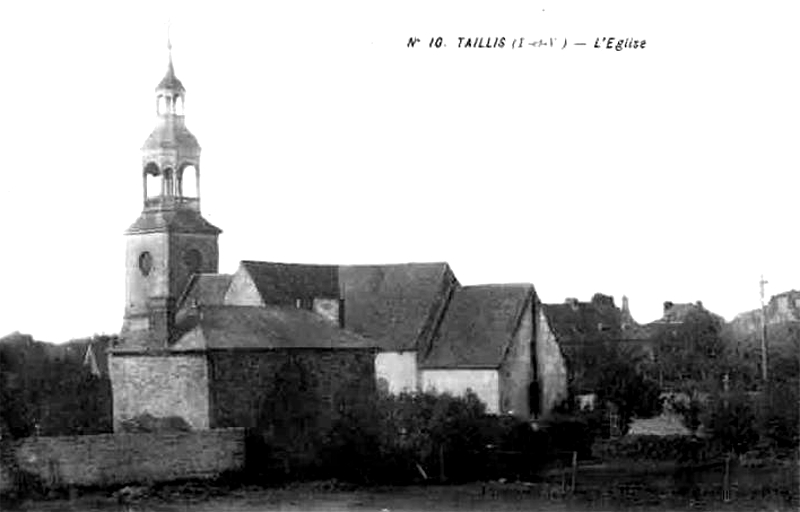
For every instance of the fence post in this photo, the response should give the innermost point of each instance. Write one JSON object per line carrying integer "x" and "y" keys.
{"x": 574, "y": 471}
{"x": 441, "y": 463}
{"x": 726, "y": 479}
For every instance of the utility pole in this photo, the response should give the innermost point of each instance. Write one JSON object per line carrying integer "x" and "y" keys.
{"x": 763, "y": 332}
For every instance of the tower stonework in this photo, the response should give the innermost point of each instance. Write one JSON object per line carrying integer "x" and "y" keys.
{"x": 170, "y": 241}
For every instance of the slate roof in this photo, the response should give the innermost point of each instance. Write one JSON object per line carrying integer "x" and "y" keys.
{"x": 582, "y": 330}
{"x": 205, "y": 290}
{"x": 170, "y": 81}
{"x": 283, "y": 283}
{"x": 578, "y": 323}
{"x": 479, "y": 326}
{"x": 397, "y": 305}
{"x": 264, "y": 328}
{"x": 170, "y": 132}
{"x": 173, "y": 221}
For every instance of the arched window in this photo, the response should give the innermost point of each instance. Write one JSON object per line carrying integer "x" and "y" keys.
{"x": 188, "y": 181}
{"x": 161, "y": 106}
{"x": 152, "y": 183}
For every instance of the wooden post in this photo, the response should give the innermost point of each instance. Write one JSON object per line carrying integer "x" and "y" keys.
{"x": 726, "y": 479}
{"x": 574, "y": 471}
{"x": 441, "y": 463}
{"x": 764, "y": 355}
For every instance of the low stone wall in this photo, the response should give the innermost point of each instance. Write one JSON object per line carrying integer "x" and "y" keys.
{"x": 111, "y": 459}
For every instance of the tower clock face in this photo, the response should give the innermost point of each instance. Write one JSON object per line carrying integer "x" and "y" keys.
{"x": 192, "y": 259}
{"x": 145, "y": 263}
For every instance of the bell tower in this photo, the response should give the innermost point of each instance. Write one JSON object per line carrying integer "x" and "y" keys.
{"x": 170, "y": 241}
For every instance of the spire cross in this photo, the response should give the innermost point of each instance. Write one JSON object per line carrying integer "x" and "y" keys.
{"x": 169, "y": 40}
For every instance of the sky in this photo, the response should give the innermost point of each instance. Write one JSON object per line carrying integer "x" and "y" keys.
{"x": 668, "y": 173}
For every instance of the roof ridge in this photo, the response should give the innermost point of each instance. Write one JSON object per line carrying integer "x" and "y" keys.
{"x": 500, "y": 285}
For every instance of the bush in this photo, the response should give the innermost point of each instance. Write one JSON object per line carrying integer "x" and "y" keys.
{"x": 731, "y": 422}
{"x": 425, "y": 436}
{"x": 779, "y": 417}
{"x": 146, "y": 422}
{"x": 690, "y": 411}
{"x": 574, "y": 432}
{"x": 640, "y": 448}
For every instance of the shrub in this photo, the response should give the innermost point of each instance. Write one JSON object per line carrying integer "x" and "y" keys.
{"x": 410, "y": 437}
{"x": 146, "y": 422}
{"x": 731, "y": 422}
{"x": 573, "y": 433}
{"x": 779, "y": 417}
{"x": 642, "y": 448}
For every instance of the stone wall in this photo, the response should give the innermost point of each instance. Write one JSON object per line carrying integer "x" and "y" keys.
{"x": 550, "y": 367}
{"x": 290, "y": 398}
{"x": 114, "y": 459}
{"x": 516, "y": 372}
{"x": 484, "y": 383}
{"x": 397, "y": 371}
{"x": 161, "y": 385}
{"x": 242, "y": 291}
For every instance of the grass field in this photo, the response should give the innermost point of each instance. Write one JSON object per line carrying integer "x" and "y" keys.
{"x": 592, "y": 493}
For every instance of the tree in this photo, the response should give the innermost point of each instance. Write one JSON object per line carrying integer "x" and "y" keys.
{"x": 691, "y": 354}
{"x": 731, "y": 420}
{"x": 622, "y": 385}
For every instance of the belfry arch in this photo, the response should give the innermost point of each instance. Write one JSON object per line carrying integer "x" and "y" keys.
{"x": 151, "y": 181}
{"x": 189, "y": 180}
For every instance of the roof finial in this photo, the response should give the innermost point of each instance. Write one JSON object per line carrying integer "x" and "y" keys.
{"x": 169, "y": 39}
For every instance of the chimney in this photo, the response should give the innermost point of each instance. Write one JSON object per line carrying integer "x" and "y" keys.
{"x": 667, "y": 306}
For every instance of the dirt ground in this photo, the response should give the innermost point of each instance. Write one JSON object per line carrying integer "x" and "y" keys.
{"x": 326, "y": 496}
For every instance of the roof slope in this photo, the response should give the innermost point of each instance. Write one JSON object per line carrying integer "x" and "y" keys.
{"x": 283, "y": 283}
{"x": 172, "y": 221}
{"x": 205, "y": 290}
{"x": 170, "y": 132}
{"x": 478, "y": 326}
{"x": 396, "y": 305}
{"x": 577, "y": 323}
{"x": 264, "y": 327}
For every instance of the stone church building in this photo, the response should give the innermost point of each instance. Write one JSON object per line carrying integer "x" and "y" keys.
{"x": 306, "y": 341}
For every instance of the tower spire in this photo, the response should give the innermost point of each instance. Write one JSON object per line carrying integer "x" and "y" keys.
{"x": 169, "y": 41}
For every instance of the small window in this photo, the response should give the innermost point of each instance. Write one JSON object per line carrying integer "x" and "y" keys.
{"x": 145, "y": 263}
{"x": 304, "y": 303}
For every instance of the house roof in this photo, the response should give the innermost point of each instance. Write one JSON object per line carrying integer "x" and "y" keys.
{"x": 577, "y": 323}
{"x": 263, "y": 327}
{"x": 397, "y": 305}
{"x": 205, "y": 290}
{"x": 583, "y": 331}
{"x": 282, "y": 283}
{"x": 478, "y": 326}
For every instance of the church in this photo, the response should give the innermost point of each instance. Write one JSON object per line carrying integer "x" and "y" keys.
{"x": 307, "y": 341}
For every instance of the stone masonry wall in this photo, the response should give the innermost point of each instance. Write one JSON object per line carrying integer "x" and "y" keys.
{"x": 243, "y": 384}
{"x": 160, "y": 385}
{"x": 291, "y": 398}
{"x": 516, "y": 372}
{"x": 550, "y": 367}
{"x": 397, "y": 371}
{"x": 113, "y": 459}
{"x": 484, "y": 383}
